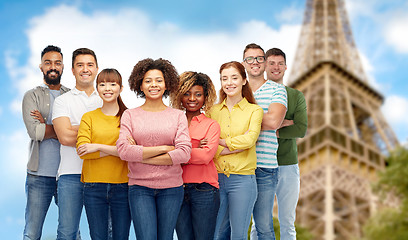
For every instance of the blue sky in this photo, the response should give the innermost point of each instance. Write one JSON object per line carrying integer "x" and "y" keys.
{"x": 194, "y": 35}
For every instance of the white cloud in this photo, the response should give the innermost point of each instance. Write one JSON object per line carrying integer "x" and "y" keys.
{"x": 291, "y": 14}
{"x": 369, "y": 71}
{"x": 396, "y": 111}
{"x": 396, "y": 32}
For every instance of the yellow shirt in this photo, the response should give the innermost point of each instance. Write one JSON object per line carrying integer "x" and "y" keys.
{"x": 96, "y": 127}
{"x": 234, "y": 129}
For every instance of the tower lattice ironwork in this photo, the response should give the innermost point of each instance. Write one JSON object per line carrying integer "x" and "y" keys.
{"x": 347, "y": 134}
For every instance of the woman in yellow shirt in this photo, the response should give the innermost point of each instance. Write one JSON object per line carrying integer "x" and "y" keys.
{"x": 240, "y": 119}
{"x": 104, "y": 174}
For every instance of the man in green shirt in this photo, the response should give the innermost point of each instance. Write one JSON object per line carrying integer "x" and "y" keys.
{"x": 293, "y": 126}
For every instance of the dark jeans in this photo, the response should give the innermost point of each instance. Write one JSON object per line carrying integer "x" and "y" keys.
{"x": 104, "y": 200}
{"x": 155, "y": 211}
{"x": 198, "y": 212}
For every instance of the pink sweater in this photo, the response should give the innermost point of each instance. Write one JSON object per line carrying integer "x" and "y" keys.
{"x": 168, "y": 127}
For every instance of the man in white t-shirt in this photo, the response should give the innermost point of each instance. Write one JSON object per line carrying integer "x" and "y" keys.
{"x": 272, "y": 98}
{"x": 67, "y": 113}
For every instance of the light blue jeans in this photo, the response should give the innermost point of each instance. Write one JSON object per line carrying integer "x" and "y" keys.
{"x": 237, "y": 199}
{"x": 39, "y": 191}
{"x": 287, "y": 195}
{"x": 70, "y": 203}
{"x": 267, "y": 182}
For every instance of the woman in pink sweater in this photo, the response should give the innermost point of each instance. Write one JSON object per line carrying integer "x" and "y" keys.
{"x": 201, "y": 196}
{"x": 154, "y": 140}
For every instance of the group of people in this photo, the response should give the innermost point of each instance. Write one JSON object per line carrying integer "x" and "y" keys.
{"x": 199, "y": 168}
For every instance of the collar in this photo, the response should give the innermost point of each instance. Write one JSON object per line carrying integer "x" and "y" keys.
{"x": 75, "y": 91}
{"x": 199, "y": 118}
{"x": 241, "y": 104}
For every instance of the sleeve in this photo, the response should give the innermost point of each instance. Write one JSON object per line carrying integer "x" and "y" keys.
{"x": 60, "y": 108}
{"x": 35, "y": 129}
{"x": 126, "y": 151}
{"x": 85, "y": 135}
{"x": 206, "y": 154}
{"x": 299, "y": 127}
{"x": 280, "y": 96}
{"x": 182, "y": 142}
{"x": 249, "y": 139}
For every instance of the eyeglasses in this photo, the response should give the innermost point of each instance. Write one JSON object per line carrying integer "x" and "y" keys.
{"x": 250, "y": 60}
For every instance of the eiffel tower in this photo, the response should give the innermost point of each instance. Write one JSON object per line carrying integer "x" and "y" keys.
{"x": 347, "y": 135}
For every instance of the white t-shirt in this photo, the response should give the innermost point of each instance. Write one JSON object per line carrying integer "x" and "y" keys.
{"x": 73, "y": 105}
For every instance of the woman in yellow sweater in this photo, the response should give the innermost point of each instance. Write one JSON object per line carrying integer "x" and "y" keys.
{"x": 104, "y": 174}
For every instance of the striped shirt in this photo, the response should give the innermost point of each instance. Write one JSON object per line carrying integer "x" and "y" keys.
{"x": 267, "y": 144}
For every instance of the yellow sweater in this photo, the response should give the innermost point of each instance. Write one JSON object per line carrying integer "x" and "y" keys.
{"x": 96, "y": 127}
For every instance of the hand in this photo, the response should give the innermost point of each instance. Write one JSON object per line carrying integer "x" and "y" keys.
{"x": 169, "y": 148}
{"x": 222, "y": 142}
{"x": 203, "y": 143}
{"x": 37, "y": 115}
{"x": 131, "y": 140}
{"x": 87, "y": 148}
{"x": 286, "y": 123}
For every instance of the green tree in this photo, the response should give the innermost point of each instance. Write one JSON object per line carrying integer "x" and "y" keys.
{"x": 391, "y": 223}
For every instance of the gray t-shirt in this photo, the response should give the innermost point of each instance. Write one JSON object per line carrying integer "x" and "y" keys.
{"x": 49, "y": 153}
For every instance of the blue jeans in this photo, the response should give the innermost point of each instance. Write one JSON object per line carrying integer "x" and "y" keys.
{"x": 39, "y": 192}
{"x": 198, "y": 212}
{"x": 237, "y": 199}
{"x": 155, "y": 211}
{"x": 103, "y": 201}
{"x": 70, "y": 203}
{"x": 267, "y": 181}
{"x": 287, "y": 195}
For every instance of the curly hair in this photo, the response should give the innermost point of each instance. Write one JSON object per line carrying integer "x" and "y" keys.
{"x": 169, "y": 72}
{"x": 189, "y": 80}
{"x": 246, "y": 89}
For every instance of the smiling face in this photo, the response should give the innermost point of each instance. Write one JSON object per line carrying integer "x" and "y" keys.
{"x": 232, "y": 82}
{"x": 51, "y": 66}
{"x": 153, "y": 85}
{"x": 254, "y": 69}
{"x": 275, "y": 68}
{"x": 84, "y": 70}
{"x": 109, "y": 91}
{"x": 193, "y": 100}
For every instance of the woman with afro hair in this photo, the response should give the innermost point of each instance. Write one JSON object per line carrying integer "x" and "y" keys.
{"x": 201, "y": 196}
{"x": 154, "y": 140}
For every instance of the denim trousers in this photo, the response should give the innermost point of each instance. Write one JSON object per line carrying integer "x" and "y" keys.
{"x": 39, "y": 192}
{"x": 105, "y": 201}
{"x": 267, "y": 182}
{"x": 70, "y": 203}
{"x": 237, "y": 198}
{"x": 287, "y": 195}
{"x": 155, "y": 211}
{"x": 198, "y": 212}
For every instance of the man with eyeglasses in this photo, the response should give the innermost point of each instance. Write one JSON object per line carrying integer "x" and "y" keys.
{"x": 271, "y": 97}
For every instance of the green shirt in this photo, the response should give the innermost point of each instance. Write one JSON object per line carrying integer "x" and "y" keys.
{"x": 287, "y": 150}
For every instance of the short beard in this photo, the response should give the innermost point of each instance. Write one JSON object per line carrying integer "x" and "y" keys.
{"x": 52, "y": 81}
